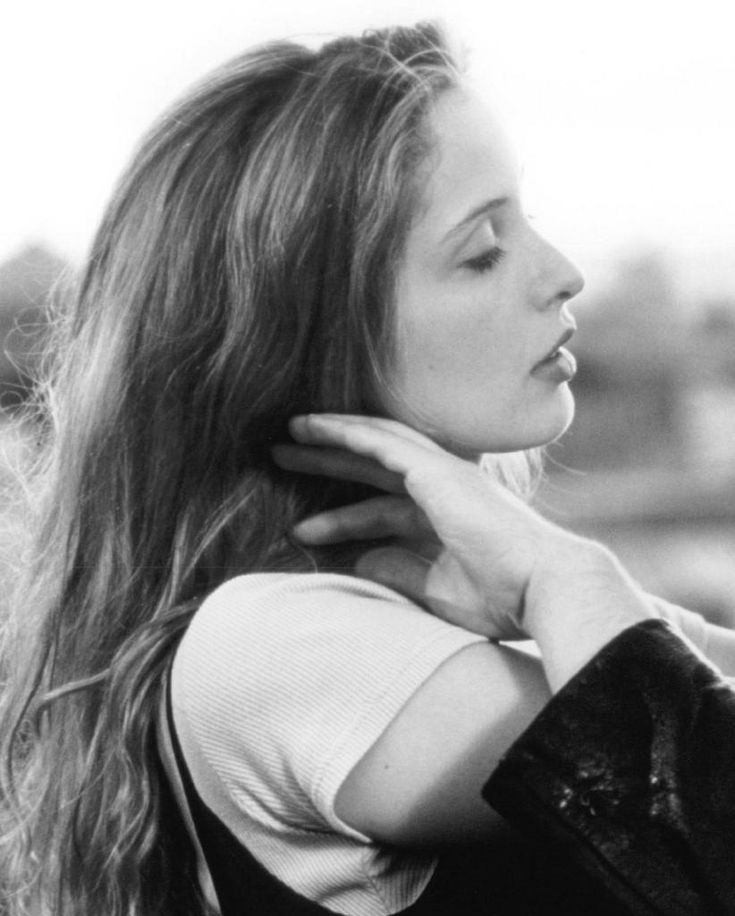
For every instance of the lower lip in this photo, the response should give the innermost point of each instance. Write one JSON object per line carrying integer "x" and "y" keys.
{"x": 561, "y": 367}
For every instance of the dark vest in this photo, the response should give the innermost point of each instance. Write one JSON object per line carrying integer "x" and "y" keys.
{"x": 505, "y": 877}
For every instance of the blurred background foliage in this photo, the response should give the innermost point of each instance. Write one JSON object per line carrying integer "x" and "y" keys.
{"x": 648, "y": 466}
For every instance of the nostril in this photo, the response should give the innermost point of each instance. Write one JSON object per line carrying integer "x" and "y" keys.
{"x": 571, "y": 289}
{"x": 566, "y": 294}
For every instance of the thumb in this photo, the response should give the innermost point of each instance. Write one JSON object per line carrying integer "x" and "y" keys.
{"x": 409, "y": 574}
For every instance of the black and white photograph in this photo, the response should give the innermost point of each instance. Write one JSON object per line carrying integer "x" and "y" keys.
{"x": 367, "y": 458}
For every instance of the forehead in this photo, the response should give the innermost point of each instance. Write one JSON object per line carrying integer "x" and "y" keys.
{"x": 471, "y": 161}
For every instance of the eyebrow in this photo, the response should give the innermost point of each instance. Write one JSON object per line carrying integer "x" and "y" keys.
{"x": 489, "y": 206}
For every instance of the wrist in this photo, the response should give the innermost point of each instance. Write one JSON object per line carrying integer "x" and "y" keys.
{"x": 578, "y": 599}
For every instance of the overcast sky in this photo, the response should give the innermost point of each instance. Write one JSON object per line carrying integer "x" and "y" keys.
{"x": 623, "y": 113}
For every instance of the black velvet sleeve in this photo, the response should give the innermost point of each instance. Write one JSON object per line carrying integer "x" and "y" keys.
{"x": 629, "y": 773}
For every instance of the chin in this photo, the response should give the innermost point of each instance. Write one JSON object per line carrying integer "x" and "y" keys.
{"x": 471, "y": 437}
{"x": 565, "y": 416}
{"x": 538, "y": 429}
{"x": 552, "y": 424}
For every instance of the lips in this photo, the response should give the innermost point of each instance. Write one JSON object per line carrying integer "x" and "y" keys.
{"x": 557, "y": 346}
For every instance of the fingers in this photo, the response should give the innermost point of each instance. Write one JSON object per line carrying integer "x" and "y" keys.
{"x": 395, "y": 427}
{"x": 342, "y": 465}
{"x": 384, "y": 516}
{"x": 388, "y": 442}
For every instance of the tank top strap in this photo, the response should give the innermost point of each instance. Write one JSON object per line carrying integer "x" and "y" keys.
{"x": 503, "y": 877}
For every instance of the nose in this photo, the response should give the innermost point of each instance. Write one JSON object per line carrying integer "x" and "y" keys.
{"x": 559, "y": 278}
{"x": 572, "y": 280}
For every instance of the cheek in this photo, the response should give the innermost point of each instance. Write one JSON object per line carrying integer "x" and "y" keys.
{"x": 454, "y": 334}
{"x": 461, "y": 374}
{"x": 460, "y": 358}
{"x": 458, "y": 361}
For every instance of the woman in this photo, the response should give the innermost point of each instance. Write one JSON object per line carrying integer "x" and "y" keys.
{"x": 306, "y": 232}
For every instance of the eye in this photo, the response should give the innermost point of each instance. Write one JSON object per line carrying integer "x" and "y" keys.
{"x": 485, "y": 261}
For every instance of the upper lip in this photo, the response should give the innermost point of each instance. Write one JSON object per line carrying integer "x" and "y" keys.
{"x": 560, "y": 343}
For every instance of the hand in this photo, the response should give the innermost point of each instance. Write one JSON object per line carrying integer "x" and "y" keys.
{"x": 466, "y": 546}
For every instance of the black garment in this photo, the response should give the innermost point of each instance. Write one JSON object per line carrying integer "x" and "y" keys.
{"x": 506, "y": 877}
{"x": 630, "y": 769}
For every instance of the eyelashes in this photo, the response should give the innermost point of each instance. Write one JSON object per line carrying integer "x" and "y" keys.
{"x": 486, "y": 261}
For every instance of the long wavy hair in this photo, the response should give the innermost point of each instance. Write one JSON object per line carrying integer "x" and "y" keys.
{"x": 243, "y": 273}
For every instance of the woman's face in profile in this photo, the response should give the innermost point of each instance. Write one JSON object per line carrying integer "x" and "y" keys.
{"x": 480, "y": 299}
